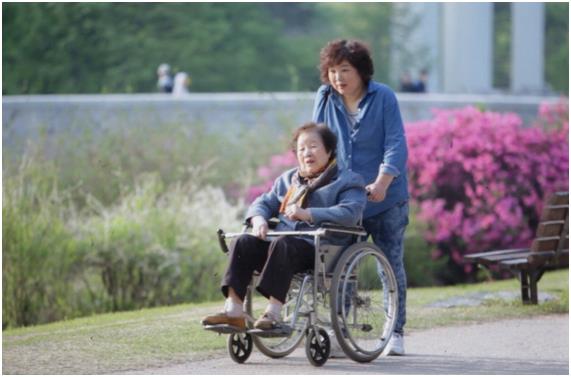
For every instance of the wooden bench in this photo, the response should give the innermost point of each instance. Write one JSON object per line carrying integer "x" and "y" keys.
{"x": 549, "y": 249}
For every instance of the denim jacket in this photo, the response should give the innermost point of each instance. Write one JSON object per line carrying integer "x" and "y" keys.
{"x": 376, "y": 143}
{"x": 341, "y": 201}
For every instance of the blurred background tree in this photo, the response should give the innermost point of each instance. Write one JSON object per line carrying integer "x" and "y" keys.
{"x": 557, "y": 46}
{"x": 116, "y": 48}
{"x": 502, "y": 45}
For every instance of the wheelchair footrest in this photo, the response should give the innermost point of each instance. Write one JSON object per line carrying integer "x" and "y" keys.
{"x": 223, "y": 329}
{"x": 279, "y": 332}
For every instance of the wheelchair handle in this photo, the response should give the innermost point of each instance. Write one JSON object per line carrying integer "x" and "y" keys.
{"x": 222, "y": 241}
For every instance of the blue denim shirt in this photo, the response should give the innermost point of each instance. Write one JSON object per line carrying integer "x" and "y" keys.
{"x": 376, "y": 143}
{"x": 341, "y": 201}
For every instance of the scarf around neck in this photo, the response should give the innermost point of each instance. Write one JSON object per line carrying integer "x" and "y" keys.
{"x": 301, "y": 187}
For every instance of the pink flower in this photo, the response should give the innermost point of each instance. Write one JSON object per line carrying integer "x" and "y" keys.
{"x": 479, "y": 178}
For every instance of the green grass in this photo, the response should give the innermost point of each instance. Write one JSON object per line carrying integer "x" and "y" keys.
{"x": 164, "y": 336}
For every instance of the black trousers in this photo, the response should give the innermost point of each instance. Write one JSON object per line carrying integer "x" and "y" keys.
{"x": 276, "y": 261}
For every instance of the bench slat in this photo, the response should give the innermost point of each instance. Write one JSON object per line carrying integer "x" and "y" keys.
{"x": 550, "y": 228}
{"x": 515, "y": 263}
{"x": 495, "y": 252}
{"x": 498, "y": 258}
{"x": 554, "y": 212}
{"x": 558, "y": 198}
{"x": 548, "y": 243}
{"x": 541, "y": 257}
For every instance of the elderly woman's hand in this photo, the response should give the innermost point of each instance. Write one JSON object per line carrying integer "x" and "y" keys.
{"x": 259, "y": 227}
{"x": 295, "y": 212}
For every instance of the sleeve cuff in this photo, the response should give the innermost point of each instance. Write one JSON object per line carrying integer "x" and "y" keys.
{"x": 316, "y": 215}
{"x": 389, "y": 169}
{"x": 256, "y": 212}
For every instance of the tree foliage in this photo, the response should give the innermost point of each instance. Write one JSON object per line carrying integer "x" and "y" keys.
{"x": 64, "y": 48}
{"x": 116, "y": 47}
{"x": 107, "y": 47}
{"x": 557, "y": 46}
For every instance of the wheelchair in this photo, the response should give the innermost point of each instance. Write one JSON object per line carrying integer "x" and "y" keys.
{"x": 351, "y": 292}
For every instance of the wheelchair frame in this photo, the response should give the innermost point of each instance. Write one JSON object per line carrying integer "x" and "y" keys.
{"x": 327, "y": 258}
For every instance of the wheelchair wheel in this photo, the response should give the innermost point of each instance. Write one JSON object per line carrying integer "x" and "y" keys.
{"x": 280, "y": 346}
{"x": 239, "y": 346}
{"x": 317, "y": 346}
{"x": 364, "y": 301}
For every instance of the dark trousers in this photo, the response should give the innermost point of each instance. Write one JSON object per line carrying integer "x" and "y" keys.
{"x": 277, "y": 261}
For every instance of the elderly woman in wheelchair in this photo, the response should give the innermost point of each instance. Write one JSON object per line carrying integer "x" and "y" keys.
{"x": 305, "y": 200}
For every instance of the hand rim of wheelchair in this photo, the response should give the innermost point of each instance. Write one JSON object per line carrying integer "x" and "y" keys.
{"x": 341, "y": 275}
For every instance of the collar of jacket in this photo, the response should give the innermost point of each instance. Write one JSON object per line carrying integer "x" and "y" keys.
{"x": 338, "y": 101}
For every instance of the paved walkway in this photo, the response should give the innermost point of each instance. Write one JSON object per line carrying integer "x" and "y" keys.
{"x": 527, "y": 346}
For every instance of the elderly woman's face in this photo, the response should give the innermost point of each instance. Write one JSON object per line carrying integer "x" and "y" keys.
{"x": 345, "y": 79}
{"x": 311, "y": 153}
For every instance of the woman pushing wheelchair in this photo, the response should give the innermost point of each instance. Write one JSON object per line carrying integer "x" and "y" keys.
{"x": 315, "y": 192}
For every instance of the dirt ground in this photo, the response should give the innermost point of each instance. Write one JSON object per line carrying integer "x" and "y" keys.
{"x": 538, "y": 345}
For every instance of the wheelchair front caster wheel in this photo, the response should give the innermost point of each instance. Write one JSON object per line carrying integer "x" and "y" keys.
{"x": 317, "y": 347}
{"x": 240, "y": 346}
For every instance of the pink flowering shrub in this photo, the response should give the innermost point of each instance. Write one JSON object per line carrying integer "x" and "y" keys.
{"x": 554, "y": 115}
{"x": 278, "y": 164}
{"x": 479, "y": 178}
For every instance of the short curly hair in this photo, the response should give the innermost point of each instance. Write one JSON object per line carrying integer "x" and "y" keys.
{"x": 355, "y": 52}
{"x": 327, "y": 136}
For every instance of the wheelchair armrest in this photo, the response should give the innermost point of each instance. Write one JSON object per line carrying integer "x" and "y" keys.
{"x": 332, "y": 227}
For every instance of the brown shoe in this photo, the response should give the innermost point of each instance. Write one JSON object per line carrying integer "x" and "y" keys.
{"x": 267, "y": 321}
{"x": 223, "y": 318}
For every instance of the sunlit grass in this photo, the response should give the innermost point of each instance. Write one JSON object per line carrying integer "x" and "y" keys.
{"x": 167, "y": 335}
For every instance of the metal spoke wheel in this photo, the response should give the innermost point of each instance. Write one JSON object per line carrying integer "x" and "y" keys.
{"x": 280, "y": 346}
{"x": 364, "y": 301}
{"x": 240, "y": 346}
{"x": 317, "y": 347}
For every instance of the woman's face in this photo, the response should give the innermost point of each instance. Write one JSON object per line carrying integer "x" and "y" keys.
{"x": 312, "y": 156}
{"x": 345, "y": 79}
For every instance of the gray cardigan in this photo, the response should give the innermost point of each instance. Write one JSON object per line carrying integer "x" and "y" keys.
{"x": 341, "y": 201}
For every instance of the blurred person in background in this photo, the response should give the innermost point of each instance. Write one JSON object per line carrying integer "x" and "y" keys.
{"x": 405, "y": 83}
{"x": 420, "y": 86}
{"x": 181, "y": 84}
{"x": 365, "y": 116}
{"x": 164, "y": 81}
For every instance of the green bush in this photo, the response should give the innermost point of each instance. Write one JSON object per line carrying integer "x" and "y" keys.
{"x": 158, "y": 245}
{"x": 421, "y": 269}
{"x": 38, "y": 250}
{"x": 106, "y": 163}
{"x": 121, "y": 218}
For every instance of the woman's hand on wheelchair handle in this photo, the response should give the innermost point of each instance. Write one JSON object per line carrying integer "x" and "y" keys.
{"x": 376, "y": 192}
{"x": 260, "y": 227}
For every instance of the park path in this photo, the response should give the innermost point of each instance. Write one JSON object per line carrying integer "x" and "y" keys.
{"x": 538, "y": 345}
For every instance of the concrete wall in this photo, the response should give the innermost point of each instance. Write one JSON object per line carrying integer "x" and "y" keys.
{"x": 26, "y": 117}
